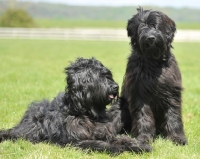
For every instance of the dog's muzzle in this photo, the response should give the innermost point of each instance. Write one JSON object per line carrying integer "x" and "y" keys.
{"x": 114, "y": 91}
{"x": 151, "y": 39}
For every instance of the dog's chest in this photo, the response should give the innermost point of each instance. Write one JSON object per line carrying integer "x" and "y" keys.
{"x": 144, "y": 78}
{"x": 150, "y": 80}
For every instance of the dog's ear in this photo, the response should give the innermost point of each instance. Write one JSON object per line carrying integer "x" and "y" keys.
{"x": 133, "y": 23}
{"x": 170, "y": 28}
{"x": 132, "y": 27}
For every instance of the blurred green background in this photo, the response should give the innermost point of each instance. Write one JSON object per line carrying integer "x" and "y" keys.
{"x": 69, "y": 16}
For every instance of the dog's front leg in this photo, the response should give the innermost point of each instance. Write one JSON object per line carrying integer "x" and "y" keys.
{"x": 104, "y": 131}
{"x": 143, "y": 123}
{"x": 173, "y": 126}
{"x": 119, "y": 116}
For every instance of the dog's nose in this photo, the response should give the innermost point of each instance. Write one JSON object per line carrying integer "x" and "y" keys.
{"x": 151, "y": 39}
{"x": 115, "y": 87}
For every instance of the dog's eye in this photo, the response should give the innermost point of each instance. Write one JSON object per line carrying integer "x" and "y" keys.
{"x": 152, "y": 26}
{"x": 142, "y": 25}
{"x": 108, "y": 77}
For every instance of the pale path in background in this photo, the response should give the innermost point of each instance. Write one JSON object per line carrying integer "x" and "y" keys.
{"x": 85, "y": 34}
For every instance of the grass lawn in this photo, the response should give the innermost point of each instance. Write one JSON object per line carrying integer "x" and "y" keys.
{"x": 33, "y": 70}
{"x": 66, "y": 23}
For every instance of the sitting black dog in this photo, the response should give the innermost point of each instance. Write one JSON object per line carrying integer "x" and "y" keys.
{"x": 78, "y": 116}
{"x": 151, "y": 91}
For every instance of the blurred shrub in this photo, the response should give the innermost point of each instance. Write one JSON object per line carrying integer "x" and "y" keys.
{"x": 16, "y": 18}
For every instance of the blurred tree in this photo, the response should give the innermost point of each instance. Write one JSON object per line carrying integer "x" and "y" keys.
{"x": 16, "y": 18}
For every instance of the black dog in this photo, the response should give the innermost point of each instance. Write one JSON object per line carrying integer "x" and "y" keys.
{"x": 78, "y": 116}
{"x": 151, "y": 91}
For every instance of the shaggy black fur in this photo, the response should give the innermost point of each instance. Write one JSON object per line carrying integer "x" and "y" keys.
{"x": 151, "y": 91}
{"x": 78, "y": 116}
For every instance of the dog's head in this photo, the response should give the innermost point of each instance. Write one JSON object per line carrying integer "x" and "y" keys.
{"x": 90, "y": 85}
{"x": 151, "y": 33}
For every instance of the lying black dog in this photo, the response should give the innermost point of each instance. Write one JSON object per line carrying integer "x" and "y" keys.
{"x": 78, "y": 116}
{"x": 151, "y": 91}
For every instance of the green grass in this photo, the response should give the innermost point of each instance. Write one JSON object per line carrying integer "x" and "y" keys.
{"x": 65, "y": 23}
{"x": 33, "y": 69}
{"x": 192, "y": 25}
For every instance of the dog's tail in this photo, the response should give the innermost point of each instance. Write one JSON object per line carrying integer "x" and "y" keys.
{"x": 8, "y": 135}
{"x": 5, "y": 135}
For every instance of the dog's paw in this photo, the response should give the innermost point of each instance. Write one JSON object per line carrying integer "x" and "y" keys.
{"x": 144, "y": 138}
{"x": 146, "y": 148}
{"x": 179, "y": 140}
{"x": 139, "y": 148}
{"x": 136, "y": 146}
